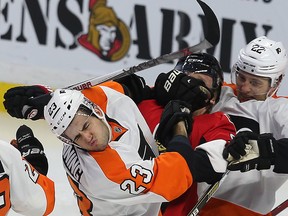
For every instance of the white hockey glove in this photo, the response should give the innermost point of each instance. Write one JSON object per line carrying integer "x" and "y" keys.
{"x": 249, "y": 151}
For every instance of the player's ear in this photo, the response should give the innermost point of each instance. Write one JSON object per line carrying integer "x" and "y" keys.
{"x": 213, "y": 101}
{"x": 98, "y": 111}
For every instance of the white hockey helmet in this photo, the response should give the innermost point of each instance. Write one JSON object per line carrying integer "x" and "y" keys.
{"x": 61, "y": 109}
{"x": 263, "y": 57}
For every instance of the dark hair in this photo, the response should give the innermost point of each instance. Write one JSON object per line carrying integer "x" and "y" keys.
{"x": 85, "y": 110}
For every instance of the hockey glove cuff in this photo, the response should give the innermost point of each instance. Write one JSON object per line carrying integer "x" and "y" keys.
{"x": 174, "y": 112}
{"x": 19, "y": 101}
{"x": 31, "y": 149}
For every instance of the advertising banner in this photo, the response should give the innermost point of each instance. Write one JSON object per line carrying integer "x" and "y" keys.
{"x": 61, "y": 42}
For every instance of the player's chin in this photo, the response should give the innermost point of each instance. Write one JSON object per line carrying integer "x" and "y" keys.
{"x": 243, "y": 98}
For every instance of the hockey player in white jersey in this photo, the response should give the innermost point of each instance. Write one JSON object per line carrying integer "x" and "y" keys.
{"x": 258, "y": 204}
{"x": 23, "y": 187}
{"x": 110, "y": 154}
{"x": 252, "y": 105}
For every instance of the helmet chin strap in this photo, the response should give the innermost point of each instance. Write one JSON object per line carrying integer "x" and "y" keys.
{"x": 98, "y": 112}
{"x": 101, "y": 115}
{"x": 109, "y": 128}
{"x": 272, "y": 92}
{"x": 69, "y": 142}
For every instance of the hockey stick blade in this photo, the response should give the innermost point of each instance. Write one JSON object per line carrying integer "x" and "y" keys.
{"x": 211, "y": 38}
{"x": 207, "y": 194}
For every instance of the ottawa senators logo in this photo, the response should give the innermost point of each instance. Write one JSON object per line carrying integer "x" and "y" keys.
{"x": 108, "y": 37}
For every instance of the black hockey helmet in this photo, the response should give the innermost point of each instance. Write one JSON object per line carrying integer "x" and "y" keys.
{"x": 203, "y": 63}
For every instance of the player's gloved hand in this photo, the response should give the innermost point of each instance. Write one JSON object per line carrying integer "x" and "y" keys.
{"x": 19, "y": 101}
{"x": 174, "y": 112}
{"x": 135, "y": 87}
{"x": 249, "y": 150}
{"x": 176, "y": 85}
{"x": 31, "y": 149}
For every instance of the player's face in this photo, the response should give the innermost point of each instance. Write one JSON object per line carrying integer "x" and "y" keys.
{"x": 88, "y": 132}
{"x": 205, "y": 78}
{"x": 251, "y": 87}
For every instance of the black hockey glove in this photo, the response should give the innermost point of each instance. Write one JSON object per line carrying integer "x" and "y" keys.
{"x": 248, "y": 151}
{"x": 174, "y": 112}
{"x": 19, "y": 101}
{"x": 176, "y": 85}
{"x": 31, "y": 149}
{"x": 135, "y": 87}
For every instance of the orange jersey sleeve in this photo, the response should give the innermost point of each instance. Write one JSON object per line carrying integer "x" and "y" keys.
{"x": 98, "y": 96}
{"x": 23, "y": 189}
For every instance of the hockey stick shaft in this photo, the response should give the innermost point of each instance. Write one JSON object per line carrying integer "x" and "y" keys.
{"x": 280, "y": 208}
{"x": 212, "y": 190}
{"x": 251, "y": 153}
{"x": 211, "y": 38}
{"x": 207, "y": 194}
{"x": 142, "y": 66}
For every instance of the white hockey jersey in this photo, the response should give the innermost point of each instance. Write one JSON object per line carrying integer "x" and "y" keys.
{"x": 22, "y": 188}
{"x": 253, "y": 192}
{"x": 125, "y": 178}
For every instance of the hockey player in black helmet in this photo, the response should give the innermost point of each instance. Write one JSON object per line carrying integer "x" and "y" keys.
{"x": 206, "y": 64}
{"x": 196, "y": 79}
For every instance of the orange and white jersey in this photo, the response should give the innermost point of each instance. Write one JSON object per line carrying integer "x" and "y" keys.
{"x": 126, "y": 178}
{"x": 22, "y": 188}
{"x": 253, "y": 192}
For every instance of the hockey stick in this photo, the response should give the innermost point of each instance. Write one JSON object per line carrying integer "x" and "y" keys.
{"x": 252, "y": 152}
{"x": 211, "y": 38}
{"x": 279, "y": 208}
{"x": 207, "y": 194}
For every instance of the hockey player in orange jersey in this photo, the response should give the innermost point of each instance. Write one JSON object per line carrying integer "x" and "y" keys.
{"x": 110, "y": 156}
{"x": 24, "y": 186}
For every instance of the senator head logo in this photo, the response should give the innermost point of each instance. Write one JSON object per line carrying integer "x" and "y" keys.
{"x": 108, "y": 37}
